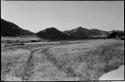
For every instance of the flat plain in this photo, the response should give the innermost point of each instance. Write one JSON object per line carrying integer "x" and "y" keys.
{"x": 61, "y": 60}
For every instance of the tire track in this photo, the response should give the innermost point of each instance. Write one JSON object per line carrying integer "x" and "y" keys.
{"x": 59, "y": 64}
{"x": 28, "y": 67}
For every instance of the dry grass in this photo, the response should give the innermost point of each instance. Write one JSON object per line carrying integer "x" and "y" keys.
{"x": 78, "y": 61}
{"x": 87, "y": 61}
{"x": 12, "y": 63}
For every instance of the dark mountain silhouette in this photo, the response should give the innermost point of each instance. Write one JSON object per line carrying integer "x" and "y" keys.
{"x": 116, "y": 34}
{"x": 53, "y": 34}
{"x": 95, "y": 33}
{"x": 83, "y": 33}
{"x": 12, "y": 30}
{"x": 78, "y": 33}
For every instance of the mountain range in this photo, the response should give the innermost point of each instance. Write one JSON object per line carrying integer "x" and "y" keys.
{"x": 12, "y": 30}
{"x": 83, "y": 33}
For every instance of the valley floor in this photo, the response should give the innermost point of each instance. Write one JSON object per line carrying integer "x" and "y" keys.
{"x": 61, "y": 60}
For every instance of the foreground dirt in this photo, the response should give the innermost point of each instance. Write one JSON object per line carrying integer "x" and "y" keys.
{"x": 69, "y": 61}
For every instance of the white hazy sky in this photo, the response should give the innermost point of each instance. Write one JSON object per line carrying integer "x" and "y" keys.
{"x": 64, "y": 15}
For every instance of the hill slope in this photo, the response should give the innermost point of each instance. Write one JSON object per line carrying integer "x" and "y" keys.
{"x": 78, "y": 33}
{"x": 83, "y": 33}
{"x": 98, "y": 33}
{"x": 12, "y": 30}
{"x": 53, "y": 34}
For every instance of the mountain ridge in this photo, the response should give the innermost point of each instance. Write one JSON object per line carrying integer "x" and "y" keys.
{"x": 12, "y": 30}
{"x": 53, "y": 34}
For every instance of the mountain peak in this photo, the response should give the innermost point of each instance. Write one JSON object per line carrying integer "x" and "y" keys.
{"x": 51, "y": 29}
{"x": 80, "y": 27}
{"x": 53, "y": 34}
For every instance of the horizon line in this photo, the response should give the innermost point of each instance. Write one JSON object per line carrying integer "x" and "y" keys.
{"x": 59, "y": 29}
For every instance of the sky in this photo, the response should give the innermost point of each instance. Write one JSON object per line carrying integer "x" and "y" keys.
{"x": 64, "y": 15}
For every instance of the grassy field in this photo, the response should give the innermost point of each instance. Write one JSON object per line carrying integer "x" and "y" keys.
{"x": 61, "y": 60}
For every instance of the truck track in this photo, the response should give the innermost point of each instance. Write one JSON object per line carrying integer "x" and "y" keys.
{"x": 28, "y": 67}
